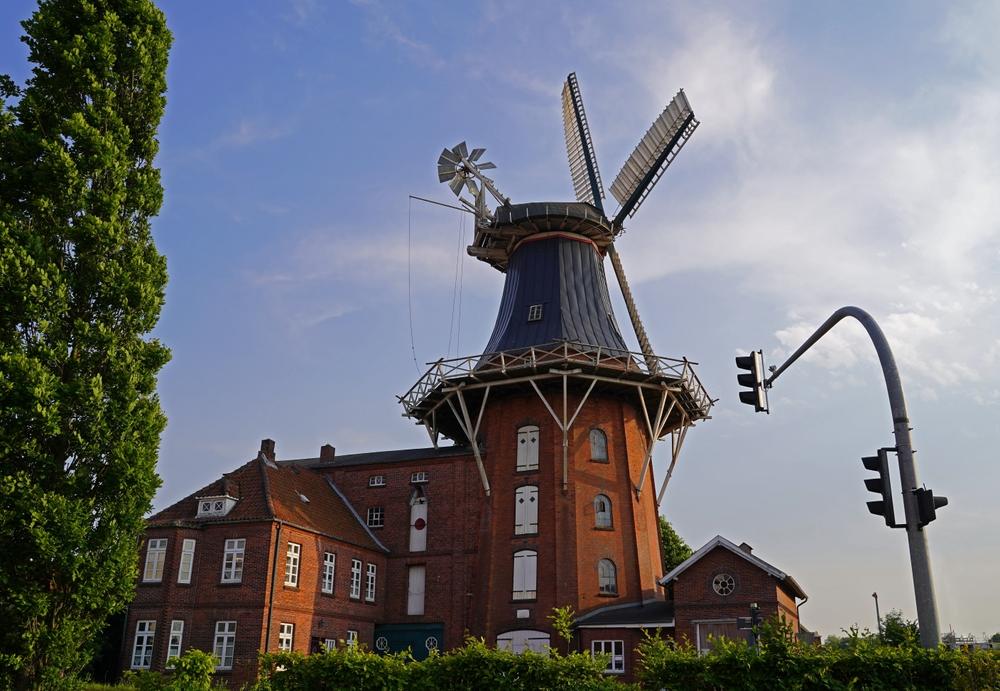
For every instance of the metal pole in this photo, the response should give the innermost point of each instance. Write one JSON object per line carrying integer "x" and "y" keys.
{"x": 923, "y": 581}
{"x": 878, "y": 617}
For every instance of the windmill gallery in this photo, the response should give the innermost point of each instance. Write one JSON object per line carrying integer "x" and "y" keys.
{"x": 545, "y": 496}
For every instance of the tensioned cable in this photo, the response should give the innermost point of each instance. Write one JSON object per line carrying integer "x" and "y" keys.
{"x": 454, "y": 287}
{"x": 409, "y": 279}
{"x": 461, "y": 279}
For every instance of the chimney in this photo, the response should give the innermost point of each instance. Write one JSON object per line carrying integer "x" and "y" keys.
{"x": 746, "y": 548}
{"x": 267, "y": 448}
{"x": 327, "y": 453}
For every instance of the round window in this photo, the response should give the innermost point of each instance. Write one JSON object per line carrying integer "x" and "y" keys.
{"x": 724, "y": 584}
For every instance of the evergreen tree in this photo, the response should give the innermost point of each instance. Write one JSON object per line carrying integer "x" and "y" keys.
{"x": 81, "y": 287}
{"x": 674, "y": 549}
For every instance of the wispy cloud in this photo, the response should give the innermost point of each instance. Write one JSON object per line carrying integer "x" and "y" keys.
{"x": 382, "y": 26}
{"x": 247, "y": 132}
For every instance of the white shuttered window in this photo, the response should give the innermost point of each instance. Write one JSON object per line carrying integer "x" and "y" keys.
{"x": 525, "y": 574}
{"x": 527, "y": 448}
{"x": 526, "y": 510}
{"x": 415, "y": 590}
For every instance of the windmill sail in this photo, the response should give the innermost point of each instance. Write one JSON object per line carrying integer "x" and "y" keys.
{"x": 654, "y": 153}
{"x": 580, "y": 147}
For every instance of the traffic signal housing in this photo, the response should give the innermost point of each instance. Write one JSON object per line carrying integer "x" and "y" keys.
{"x": 880, "y": 485}
{"x": 928, "y": 504}
{"x": 753, "y": 380}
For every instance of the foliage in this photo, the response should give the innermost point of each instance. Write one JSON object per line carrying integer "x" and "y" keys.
{"x": 857, "y": 661}
{"x": 562, "y": 622}
{"x": 995, "y": 638}
{"x": 81, "y": 284}
{"x": 674, "y": 549}
{"x": 473, "y": 666}
{"x": 192, "y": 672}
{"x": 898, "y": 631}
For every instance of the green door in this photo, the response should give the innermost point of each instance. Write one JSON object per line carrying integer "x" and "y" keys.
{"x": 419, "y": 638}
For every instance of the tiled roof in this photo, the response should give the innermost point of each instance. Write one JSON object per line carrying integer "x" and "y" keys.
{"x": 265, "y": 491}
{"x": 643, "y": 615}
{"x": 374, "y": 457}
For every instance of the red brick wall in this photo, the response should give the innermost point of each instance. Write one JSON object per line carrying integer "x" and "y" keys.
{"x": 695, "y": 598}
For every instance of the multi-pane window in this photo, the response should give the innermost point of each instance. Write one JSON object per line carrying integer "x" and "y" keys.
{"x": 225, "y": 643}
{"x": 356, "y": 579}
{"x": 416, "y": 577}
{"x": 534, "y": 313}
{"x": 614, "y": 649}
{"x": 175, "y": 641}
{"x": 329, "y": 567}
{"x": 607, "y": 577}
{"x": 232, "y": 560}
{"x": 352, "y": 638}
{"x": 602, "y": 511}
{"x": 418, "y": 477}
{"x": 142, "y": 649}
{"x": 376, "y": 517}
{"x": 292, "y": 564}
{"x": 521, "y": 641}
{"x": 156, "y": 554}
{"x": 527, "y": 448}
{"x": 370, "y": 584}
{"x": 525, "y": 574}
{"x": 187, "y": 561}
{"x": 598, "y": 445}
{"x": 376, "y": 481}
{"x": 526, "y": 510}
{"x": 329, "y": 644}
{"x": 286, "y": 636}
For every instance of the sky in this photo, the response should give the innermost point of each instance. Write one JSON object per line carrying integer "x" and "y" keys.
{"x": 848, "y": 154}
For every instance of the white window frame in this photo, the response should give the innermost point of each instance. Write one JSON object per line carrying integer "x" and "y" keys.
{"x": 527, "y": 448}
{"x": 418, "y": 478}
{"x": 215, "y": 506}
{"x": 520, "y": 640}
{"x": 156, "y": 556}
{"x": 371, "y": 582}
{"x": 232, "y": 560}
{"x": 526, "y": 510}
{"x": 614, "y": 648}
{"x": 355, "y": 579}
{"x": 142, "y": 646}
{"x": 186, "y": 565}
{"x": 175, "y": 641}
{"x": 703, "y": 650}
{"x": 535, "y": 312}
{"x": 525, "y": 585}
{"x": 292, "y": 555}
{"x": 286, "y": 637}
{"x": 416, "y": 586}
{"x": 607, "y": 581}
{"x": 376, "y": 517}
{"x": 224, "y": 646}
{"x": 329, "y": 572}
{"x": 352, "y": 638}
{"x": 329, "y": 644}
{"x": 603, "y": 519}
{"x": 376, "y": 481}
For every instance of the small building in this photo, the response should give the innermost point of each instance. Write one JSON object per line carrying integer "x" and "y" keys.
{"x": 719, "y": 583}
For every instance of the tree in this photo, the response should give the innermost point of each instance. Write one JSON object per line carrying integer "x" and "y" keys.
{"x": 995, "y": 638}
{"x": 81, "y": 287}
{"x": 899, "y": 632}
{"x": 674, "y": 549}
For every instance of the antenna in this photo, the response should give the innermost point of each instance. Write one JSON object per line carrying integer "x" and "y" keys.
{"x": 459, "y": 169}
{"x": 654, "y": 153}
{"x": 580, "y": 147}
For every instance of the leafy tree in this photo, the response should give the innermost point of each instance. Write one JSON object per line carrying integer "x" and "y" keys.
{"x": 674, "y": 549}
{"x": 898, "y": 631}
{"x": 995, "y": 638}
{"x": 81, "y": 287}
{"x": 562, "y": 622}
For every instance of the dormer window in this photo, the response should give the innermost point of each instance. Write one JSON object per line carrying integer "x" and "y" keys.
{"x": 535, "y": 313}
{"x": 215, "y": 506}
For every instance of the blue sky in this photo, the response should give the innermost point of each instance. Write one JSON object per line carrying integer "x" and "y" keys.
{"x": 849, "y": 153}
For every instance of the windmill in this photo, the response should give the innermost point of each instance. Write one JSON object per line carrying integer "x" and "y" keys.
{"x": 651, "y": 157}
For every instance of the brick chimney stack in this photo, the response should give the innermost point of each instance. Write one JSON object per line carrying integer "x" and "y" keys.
{"x": 327, "y": 453}
{"x": 746, "y": 548}
{"x": 267, "y": 448}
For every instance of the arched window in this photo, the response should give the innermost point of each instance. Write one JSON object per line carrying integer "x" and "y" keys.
{"x": 607, "y": 577}
{"x": 418, "y": 519}
{"x": 526, "y": 510}
{"x": 525, "y": 574}
{"x": 598, "y": 446}
{"x": 527, "y": 448}
{"x": 602, "y": 511}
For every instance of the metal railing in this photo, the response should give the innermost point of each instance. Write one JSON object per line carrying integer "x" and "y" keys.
{"x": 579, "y": 355}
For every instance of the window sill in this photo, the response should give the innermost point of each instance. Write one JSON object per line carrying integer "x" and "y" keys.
{"x": 604, "y": 461}
{"x": 230, "y": 584}
{"x": 607, "y": 594}
{"x": 523, "y": 600}
{"x": 376, "y": 527}
{"x": 521, "y": 471}
{"x": 287, "y": 586}
{"x": 607, "y": 529}
{"x": 160, "y": 582}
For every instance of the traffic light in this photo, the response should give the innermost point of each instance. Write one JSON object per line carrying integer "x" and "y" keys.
{"x": 754, "y": 379}
{"x": 880, "y": 485}
{"x": 928, "y": 504}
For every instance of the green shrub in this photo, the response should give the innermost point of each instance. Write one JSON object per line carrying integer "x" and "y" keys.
{"x": 192, "y": 672}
